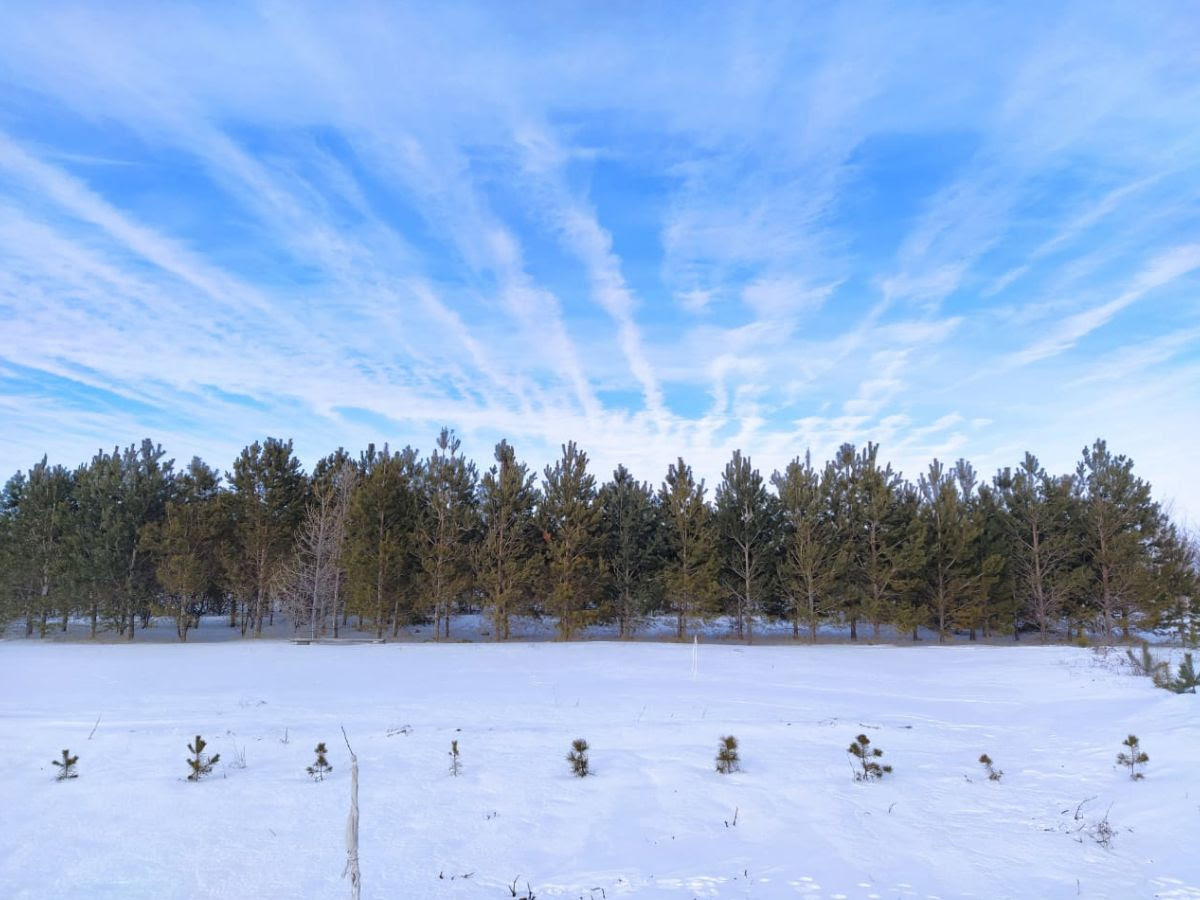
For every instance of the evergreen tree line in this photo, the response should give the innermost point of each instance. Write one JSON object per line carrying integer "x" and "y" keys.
{"x": 391, "y": 539}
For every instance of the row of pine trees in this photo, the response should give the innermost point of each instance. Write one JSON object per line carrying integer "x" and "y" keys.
{"x": 392, "y": 539}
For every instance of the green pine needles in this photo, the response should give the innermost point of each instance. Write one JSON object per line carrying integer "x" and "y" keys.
{"x": 1132, "y": 757}
{"x": 727, "y": 755}
{"x": 319, "y": 769}
{"x": 199, "y": 762}
{"x": 66, "y": 767}
{"x": 1159, "y": 670}
{"x": 868, "y": 769}
{"x": 1144, "y": 663}
{"x": 1186, "y": 681}
{"x": 578, "y": 758}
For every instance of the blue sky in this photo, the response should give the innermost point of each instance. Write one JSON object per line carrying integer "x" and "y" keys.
{"x": 655, "y": 229}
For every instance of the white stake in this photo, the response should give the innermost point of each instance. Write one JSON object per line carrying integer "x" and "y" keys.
{"x": 352, "y": 827}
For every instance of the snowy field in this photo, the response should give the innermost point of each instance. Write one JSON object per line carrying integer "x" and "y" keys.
{"x": 655, "y": 820}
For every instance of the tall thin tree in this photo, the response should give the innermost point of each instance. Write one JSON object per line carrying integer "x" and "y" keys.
{"x": 747, "y": 519}
{"x": 505, "y": 559}
{"x": 690, "y": 563}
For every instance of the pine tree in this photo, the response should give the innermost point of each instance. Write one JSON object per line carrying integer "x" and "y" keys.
{"x": 689, "y": 573}
{"x": 187, "y": 545}
{"x": 1176, "y": 583}
{"x": 578, "y": 757}
{"x": 66, "y": 767}
{"x": 1043, "y": 549}
{"x": 448, "y": 524}
{"x": 631, "y": 548}
{"x": 270, "y": 493}
{"x": 841, "y": 478}
{"x": 199, "y": 762}
{"x": 1121, "y": 523}
{"x": 570, "y": 519}
{"x": 381, "y": 543}
{"x": 727, "y": 755}
{"x": 996, "y": 609}
{"x": 954, "y": 581}
{"x": 747, "y": 518}
{"x": 506, "y": 567}
{"x": 811, "y": 561}
{"x": 319, "y": 769}
{"x": 455, "y": 763}
{"x": 1132, "y": 757}
{"x": 1144, "y": 663}
{"x": 117, "y": 495}
{"x": 36, "y": 507}
{"x": 993, "y": 773}
{"x": 869, "y": 769}
{"x": 883, "y": 507}
{"x": 1186, "y": 681}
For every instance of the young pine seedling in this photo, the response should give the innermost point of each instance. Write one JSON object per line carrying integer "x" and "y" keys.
{"x": 993, "y": 773}
{"x": 1144, "y": 663}
{"x": 1187, "y": 681}
{"x": 727, "y": 755}
{"x": 66, "y": 767}
{"x": 578, "y": 757}
{"x": 319, "y": 769}
{"x": 1133, "y": 758}
{"x": 455, "y": 764}
{"x": 199, "y": 762}
{"x": 869, "y": 769}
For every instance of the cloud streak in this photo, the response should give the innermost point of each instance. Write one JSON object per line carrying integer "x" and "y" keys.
{"x": 774, "y": 228}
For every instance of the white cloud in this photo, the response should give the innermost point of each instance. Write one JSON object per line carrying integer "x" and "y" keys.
{"x": 655, "y": 237}
{"x": 1160, "y": 271}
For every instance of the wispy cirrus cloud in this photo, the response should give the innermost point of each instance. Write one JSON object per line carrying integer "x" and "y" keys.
{"x": 951, "y": 230}
{"x": 1160, "y": 271}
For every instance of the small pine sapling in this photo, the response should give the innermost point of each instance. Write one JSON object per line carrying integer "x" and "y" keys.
{"x": 1134, "y": 758}
{"x": 1187, "y": 681}
{"x": 869, "y": 769}
{"x": 727, "y": 755}
{"x": 66, "y": 766}
{"x": 199, "y": 762}
{"x": 1145, "y": 664}
{"x": 578, "y": 757}
{"x": 993, "y": 773}
{"x": 455, "y": 763}
{"x": 319, "y": 769}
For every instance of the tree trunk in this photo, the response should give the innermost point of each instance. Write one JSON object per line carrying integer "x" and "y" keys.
{"x": 337, "y": 589}
{"x": 258, "y": 610}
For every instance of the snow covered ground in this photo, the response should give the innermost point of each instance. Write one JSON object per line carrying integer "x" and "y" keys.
{"x": 655, "y": 820}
